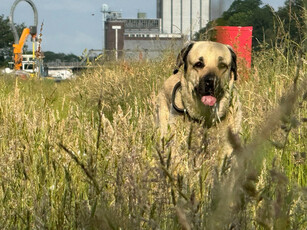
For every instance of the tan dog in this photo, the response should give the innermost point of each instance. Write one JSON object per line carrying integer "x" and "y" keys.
{"x": 204, "y": 92}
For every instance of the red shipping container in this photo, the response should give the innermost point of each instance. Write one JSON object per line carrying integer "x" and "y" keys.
{"x": 240, "y": 38}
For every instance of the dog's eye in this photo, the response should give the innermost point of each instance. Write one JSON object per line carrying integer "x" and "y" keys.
{"x": 199, "y": 65}
{"x": 222, "y": 66}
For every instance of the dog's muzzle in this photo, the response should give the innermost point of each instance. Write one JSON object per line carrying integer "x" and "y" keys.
{"x": 209, "y": 89}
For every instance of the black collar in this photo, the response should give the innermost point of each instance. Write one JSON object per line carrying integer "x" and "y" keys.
{"x": 179, "y": 110}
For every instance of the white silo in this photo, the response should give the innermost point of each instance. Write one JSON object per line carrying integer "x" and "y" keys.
{"x": 183, "y": 16}
{"x": 189, "y": 16}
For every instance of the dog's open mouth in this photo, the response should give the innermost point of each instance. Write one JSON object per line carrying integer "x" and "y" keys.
{"x": 206, "y": 90}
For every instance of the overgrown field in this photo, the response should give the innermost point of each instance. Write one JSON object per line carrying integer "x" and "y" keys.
{"x": 86, "y": 154}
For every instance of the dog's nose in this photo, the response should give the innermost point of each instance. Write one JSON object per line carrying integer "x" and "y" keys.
{"x": 209, "y": 78}
{"x": 206, "y": 85}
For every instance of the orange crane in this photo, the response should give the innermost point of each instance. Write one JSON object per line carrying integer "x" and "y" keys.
{"x": 18, "y": 47}
{"x": 19, "y": 43}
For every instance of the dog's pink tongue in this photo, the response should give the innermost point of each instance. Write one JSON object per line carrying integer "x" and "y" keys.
{"x": 208, "y": 100}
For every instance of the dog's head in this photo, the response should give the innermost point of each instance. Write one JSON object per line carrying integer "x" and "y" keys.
{"x": 208, "y": 69}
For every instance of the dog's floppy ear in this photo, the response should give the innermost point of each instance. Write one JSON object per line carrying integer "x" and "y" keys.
{"x": 233, "y": 67}
{"x": 181, "y": 58}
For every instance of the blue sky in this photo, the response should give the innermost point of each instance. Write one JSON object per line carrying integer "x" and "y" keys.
{"x": 70, "y": 26}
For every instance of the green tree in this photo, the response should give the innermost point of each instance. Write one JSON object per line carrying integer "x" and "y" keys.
{"x": 246, "y": 13}
{"x": 51, "y": 56}
{"x": 292, "y": 20}
{"x": 7, "y": 39}
{"x": 241, "y": 11}
{"x": 269, "y": 27}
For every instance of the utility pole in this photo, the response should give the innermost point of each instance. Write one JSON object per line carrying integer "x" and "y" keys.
{"x": 116, "y": 28}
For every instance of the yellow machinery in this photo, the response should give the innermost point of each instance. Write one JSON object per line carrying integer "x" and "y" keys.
{"x": 18, "y": 47}
{"x": 19, "y": 42}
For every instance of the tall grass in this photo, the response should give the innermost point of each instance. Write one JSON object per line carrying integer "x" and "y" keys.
{"x": 86, "y": 154}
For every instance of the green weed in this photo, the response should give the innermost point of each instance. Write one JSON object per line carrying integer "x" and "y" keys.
{"x": 86, "y": 153}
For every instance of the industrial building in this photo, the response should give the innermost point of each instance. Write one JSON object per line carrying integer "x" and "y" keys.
{"x": 177, "y": 21}
{"x": 138, "y": 38}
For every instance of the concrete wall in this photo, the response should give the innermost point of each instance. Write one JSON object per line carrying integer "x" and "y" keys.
{"x": 150, "y": 48}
